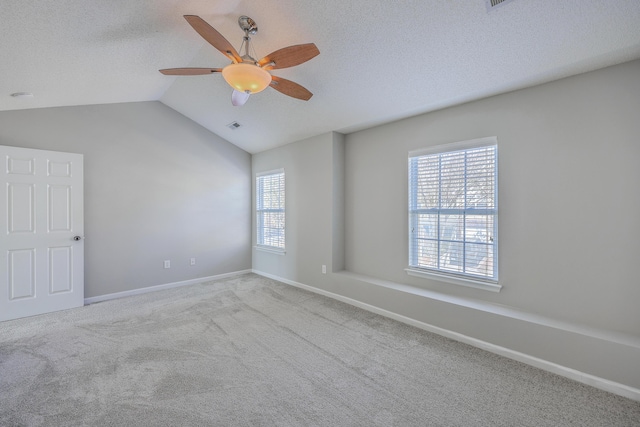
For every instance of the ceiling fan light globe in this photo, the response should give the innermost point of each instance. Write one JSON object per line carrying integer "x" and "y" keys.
{"x": 245, "y": 77}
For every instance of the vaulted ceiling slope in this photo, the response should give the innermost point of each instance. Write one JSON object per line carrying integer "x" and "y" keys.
{"x": 380, "y": 60}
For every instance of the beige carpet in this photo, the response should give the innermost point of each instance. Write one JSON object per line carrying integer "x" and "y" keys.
{"x": 252, "y": 351}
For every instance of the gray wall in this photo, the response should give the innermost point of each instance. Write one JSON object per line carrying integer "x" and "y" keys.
{"x": 309, "y": 207}
{"x": 569, "y": 235}
{"x": 157, "y": 187}
{"x": 569, "y": 172}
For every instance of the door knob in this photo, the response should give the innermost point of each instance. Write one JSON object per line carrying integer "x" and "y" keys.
{"x": 76, "y": 238}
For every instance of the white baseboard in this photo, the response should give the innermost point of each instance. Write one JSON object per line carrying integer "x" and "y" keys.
{"x": 588, "y": 379}
{"x": 139, "y": 291}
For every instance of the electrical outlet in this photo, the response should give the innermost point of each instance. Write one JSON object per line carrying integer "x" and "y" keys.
{"x": 324, "y": 269}
{"x": 192, "y": 262}
{"x": 167, "y": 264}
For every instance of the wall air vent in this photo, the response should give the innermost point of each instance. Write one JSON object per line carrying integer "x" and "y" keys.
{"x": 234, "y": 125}
{"x": 492, "y": 4}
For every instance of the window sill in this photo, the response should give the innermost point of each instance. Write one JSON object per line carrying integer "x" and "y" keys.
{"x": 270, "y": 249}
{"x": 470, "y": 283}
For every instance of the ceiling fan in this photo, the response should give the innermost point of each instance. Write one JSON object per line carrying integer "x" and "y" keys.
{"x": 245, "y": 74}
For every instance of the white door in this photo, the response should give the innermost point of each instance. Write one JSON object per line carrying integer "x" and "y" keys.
{"x": 41, "y": 232}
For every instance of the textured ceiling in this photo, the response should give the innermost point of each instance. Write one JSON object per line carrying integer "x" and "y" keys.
{"x": 380, "y": 60}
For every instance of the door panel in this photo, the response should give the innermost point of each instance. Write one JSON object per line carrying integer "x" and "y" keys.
{"x": 21, "y": 208}
{"x": 59, "y": 208}
{"x": 18, "y": 166}
{"x": 61, "y": 269}
{"x": 60, "y": 169}
{"x": 41, "y": 210}
{"x": 22, "y": 274}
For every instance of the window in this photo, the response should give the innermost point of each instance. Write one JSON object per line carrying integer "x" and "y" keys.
{"x": 270, "y": 209}
{"x": 453, "y": 210}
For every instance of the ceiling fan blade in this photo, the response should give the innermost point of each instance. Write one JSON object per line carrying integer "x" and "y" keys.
{"x": 189, "y": 71}
{"x": 212, "y": 35}
{"x": 290, "y": 88}
{"x": 238, "y": 98}
{"x": 289, "y": 56}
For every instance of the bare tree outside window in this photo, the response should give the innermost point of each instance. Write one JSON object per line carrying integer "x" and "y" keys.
{"x": 452, "y": 212}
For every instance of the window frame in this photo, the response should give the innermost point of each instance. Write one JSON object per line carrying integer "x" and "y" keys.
{"x": 260, "y": 211}
{"x": 440, "y": 274}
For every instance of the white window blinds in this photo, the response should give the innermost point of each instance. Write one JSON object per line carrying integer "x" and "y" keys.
{"x": 453, "y": 210}
{"x": 270, "y": 209}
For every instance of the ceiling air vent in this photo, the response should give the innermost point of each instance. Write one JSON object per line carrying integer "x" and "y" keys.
{"x": 492, "y": 4}
{"x": 234, "y": 125}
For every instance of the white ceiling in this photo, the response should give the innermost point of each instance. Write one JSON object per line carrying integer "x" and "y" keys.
{"x": 380, "y": 60}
